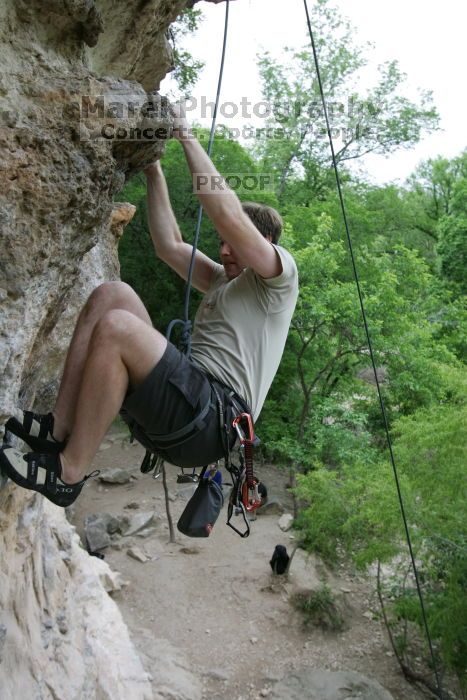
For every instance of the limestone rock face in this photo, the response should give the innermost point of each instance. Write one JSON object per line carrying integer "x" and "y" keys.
{"x": 69, "y": 67}
{"x": 61, "y": 635}
{"x": 147, "y": 60}
{"x": 58, "y": 173}
{"x": 98, "y": 264}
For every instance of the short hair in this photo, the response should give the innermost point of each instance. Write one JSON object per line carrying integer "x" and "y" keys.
{"x": 266, "y": 219}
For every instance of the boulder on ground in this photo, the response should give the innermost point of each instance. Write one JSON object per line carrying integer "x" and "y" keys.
{"x": 99, "y": 527}
{"x": 318, "y": 684}
{"x": 115, "y": 476}
{"x": 140, "y": 521}
{"x": 272, "y": 507}
{"x": 285, "y": 522}
{"x": 172, "y": 676}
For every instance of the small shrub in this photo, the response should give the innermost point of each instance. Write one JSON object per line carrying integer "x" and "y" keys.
{"x": 319, "y": 608}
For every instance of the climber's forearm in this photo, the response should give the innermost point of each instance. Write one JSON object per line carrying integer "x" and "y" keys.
{"x": 218, "y": 200}
{"x": 163, "y": 226}
{"x": 165, "y": 233}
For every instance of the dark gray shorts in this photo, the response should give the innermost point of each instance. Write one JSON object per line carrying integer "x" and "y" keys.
{"x": 172, "y": 396}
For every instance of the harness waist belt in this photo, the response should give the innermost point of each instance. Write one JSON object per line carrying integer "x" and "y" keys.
{"x": 178, "y": 435}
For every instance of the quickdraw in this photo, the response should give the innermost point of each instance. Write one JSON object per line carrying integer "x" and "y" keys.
{"x": 243, "y": 424}
{"x": 245, "y": 497}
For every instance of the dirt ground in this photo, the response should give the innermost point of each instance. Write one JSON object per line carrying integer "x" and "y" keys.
{"x": 216, "y": 600}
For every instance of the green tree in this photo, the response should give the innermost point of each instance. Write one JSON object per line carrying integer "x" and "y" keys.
{"x": 354, "y": 512}
{"x": 452, "y": 242}
{"x": 432, "y": 188}
{"x": 327, "y": 346}
{"x": 186, "y": 68}
{"x": 379, "y": 121}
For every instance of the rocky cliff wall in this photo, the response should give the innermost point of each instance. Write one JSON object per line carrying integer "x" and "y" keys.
{"x": 61, "y": 636}
{"x": 57, "y": 180}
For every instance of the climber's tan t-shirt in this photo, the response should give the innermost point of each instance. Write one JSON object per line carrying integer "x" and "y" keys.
{"x": 241, "y": 327}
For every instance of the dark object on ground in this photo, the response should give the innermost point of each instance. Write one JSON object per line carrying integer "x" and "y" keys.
{"x": 263, "y": 492}
{"x": 99, "y": 555}
{"x": 280, "y": 559}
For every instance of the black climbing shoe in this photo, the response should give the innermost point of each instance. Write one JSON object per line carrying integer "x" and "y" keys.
{"x": 36, "y": 430}
{"x": 40, "y": 472}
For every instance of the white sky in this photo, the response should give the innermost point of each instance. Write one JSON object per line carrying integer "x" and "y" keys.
{"x": 426, "y": 37}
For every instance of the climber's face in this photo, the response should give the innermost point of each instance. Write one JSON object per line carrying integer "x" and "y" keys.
{"x": 233, "y": 265}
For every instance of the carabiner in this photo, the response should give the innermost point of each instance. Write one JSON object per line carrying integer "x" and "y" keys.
{"x": 250, "y": 495}
{"x": 249, "y": 426}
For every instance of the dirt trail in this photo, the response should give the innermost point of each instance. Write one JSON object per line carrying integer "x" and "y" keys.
{"x": 215, "y": 599}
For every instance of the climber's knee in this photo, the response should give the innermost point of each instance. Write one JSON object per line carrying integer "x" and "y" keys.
{"x": 114, "y": 295}
{"x": 112, "y": 328}
{"x": 110, "y": 295}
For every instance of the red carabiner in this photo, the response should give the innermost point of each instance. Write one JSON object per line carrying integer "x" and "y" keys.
{"x": 243, "y": 424}
{"x": 250, "y": 495}
{"x": 249, "y": 425}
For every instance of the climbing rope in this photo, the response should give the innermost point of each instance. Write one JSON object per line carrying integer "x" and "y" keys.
{"x": 185, "y": 322}
{"x": 370, "y": 348}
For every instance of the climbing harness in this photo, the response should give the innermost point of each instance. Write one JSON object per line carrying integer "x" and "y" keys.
{"x": 370, "y": 348}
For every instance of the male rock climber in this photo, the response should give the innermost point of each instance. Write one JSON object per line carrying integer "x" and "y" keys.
{"x": 117, "y": 362}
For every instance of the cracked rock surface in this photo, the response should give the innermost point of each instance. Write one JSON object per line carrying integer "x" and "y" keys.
{"x": 61, "y": 635}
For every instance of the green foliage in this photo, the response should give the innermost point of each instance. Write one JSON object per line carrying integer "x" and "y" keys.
{"x": 319, "y": 608}
{"x": 354, "y": 510}
{"x": 320, "y": 414}
{"x": 430, "y": 446}
{"x": 433, "y": 185}
{"x": 186, "y": 68}
{"x": 436, "y": 198}
{"x": 452, "y": 244}
{"x": 451, "y": 318}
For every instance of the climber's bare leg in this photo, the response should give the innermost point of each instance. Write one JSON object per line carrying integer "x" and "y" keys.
{"x": 108, "y": 296}
{"x": 122, "y": 351}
